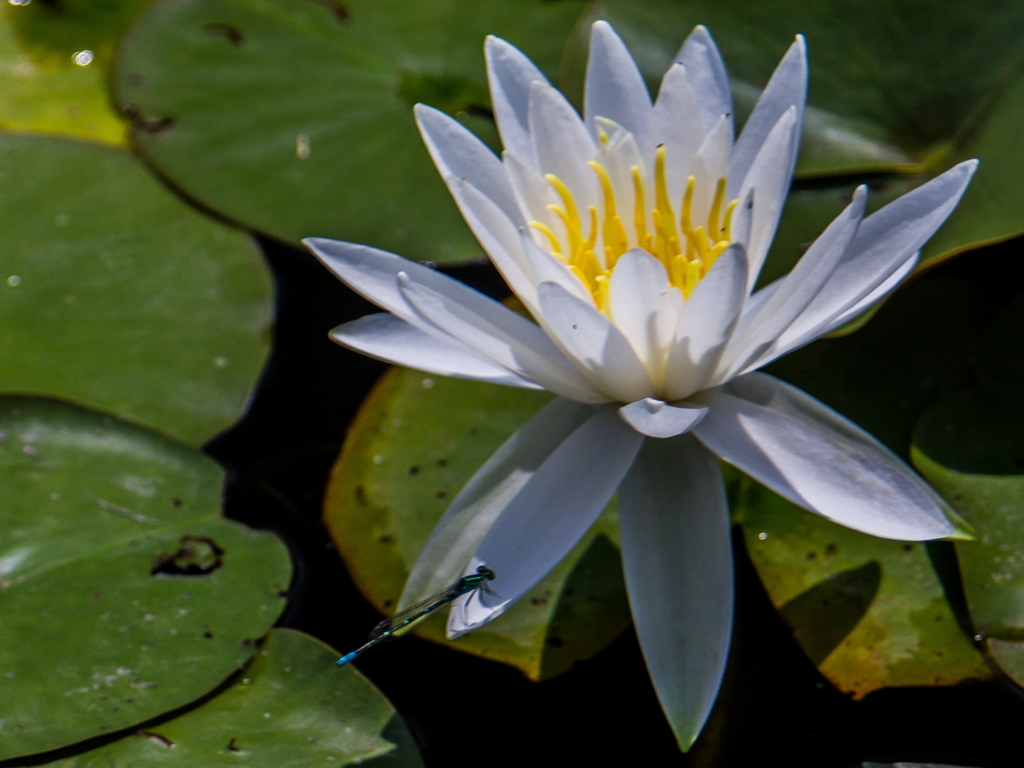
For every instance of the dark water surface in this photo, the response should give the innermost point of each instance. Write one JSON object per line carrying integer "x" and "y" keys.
{"x": 775, "y": 708}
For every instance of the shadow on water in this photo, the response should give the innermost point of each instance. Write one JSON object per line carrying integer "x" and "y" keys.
{"x": 464, "y": 711}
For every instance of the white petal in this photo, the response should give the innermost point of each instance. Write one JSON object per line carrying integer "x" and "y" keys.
{"x": 816, "y": 458}
{"x": 787, "y": 88}
{"x": 710, "y": 164}
{"x": 493, "y": 330}
{"x": 706, "y": 72}
{"x": 655, "y": 418}
{"x": 743, "y": 219}
{"x": 707, "y": 322}
{"x": 637, "y": 284}
{"x": 677, "y": 558}
{"x": 547, "y": 269}
{"x": 615, "y": 89}
{"x": 549, "y": 515}
{"x": 562, "y": 144}
{"x": 618, "y": 157}
{"x": 769, "y": 176}
{"x": 789, "y": 343}
{"x": 473, "y": 511}
{"x": 533, "y": 193}
{"x": 594, "y": 343}
{"x": 675, "y": 123}
{"x": 758, "y": 331}
{"x": 884, "y": 243}
{"x": 666, "y": 321}
{"x": 509, "y": 75}
{"x": 457, "y": 152}
{"x": 393, "y": 340}
{"x": 758, "y": 299}
{"x": 371, "y": 272}
{"x": 498, "y": 236}
{"x": 891, "y": 284}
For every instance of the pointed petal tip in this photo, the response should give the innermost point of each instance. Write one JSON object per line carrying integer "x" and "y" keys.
{"x": 859, "y": 201}
{"x": 451, "y": 633}
{"x": 325, "y": 243}
{"x": 686, "y": 739}
{"x": 962, "y": 530}
{"x": 321, "y": 248}
{"x": 969, "y": 165}
{"x": 934, "y": 530}
{"x": 492, "y": 42}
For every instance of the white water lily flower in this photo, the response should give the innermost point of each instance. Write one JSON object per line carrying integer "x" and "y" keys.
{"x": 634, "y": 236}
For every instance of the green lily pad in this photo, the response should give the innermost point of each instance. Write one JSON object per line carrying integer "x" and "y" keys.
{"x": 971, "y": 448}
{"x": 295, "y": 117}
{"x": 894, "y": 89}
{"x": 868, "y": 612}
{"x": 291, "y": 709}
{"x": 56, "y": 31}
{"x": 55, "y": 59}
{"x": 414, "y": 444}
{"x": 123, "y": 592}
{"x": 119, "y": 296}
{"x": 1009, "y": 655}
{"x": 53, "y": 96}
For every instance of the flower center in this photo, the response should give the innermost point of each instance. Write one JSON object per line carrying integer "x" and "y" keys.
{"x": 687, "y": 252}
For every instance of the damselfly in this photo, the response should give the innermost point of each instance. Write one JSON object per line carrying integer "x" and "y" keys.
{"x": 389, "y": 628}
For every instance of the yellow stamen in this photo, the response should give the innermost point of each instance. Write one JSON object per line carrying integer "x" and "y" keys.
{"x": 580, "y": 275}
{"x": 575, "y": 236}
{"x": 620, "y": 232}
{"x": 590, "y": 265}
{"x": 615, "y": 240}
{"x": 727, "y": 224}
{"x": 700, "y": 240}
{"x": 592, "y": 237}
{"x": 686, "y": 215}
{"x": 716, "y": 208}
{"x": 593, "y": 257}
{"x": 606, "y": 188}
{"x": 571, "y": 215}
{"x": 602, "y": 293}
{"x": 664, "y": 207}
{"x": 556, "y": 248}
{"x": 661, "y": 236}
{"x": 677, "y": 270}
{"x": 691, "y": 279}
{"x": 639, "y": 219}
{"x": 713, "y": 255}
